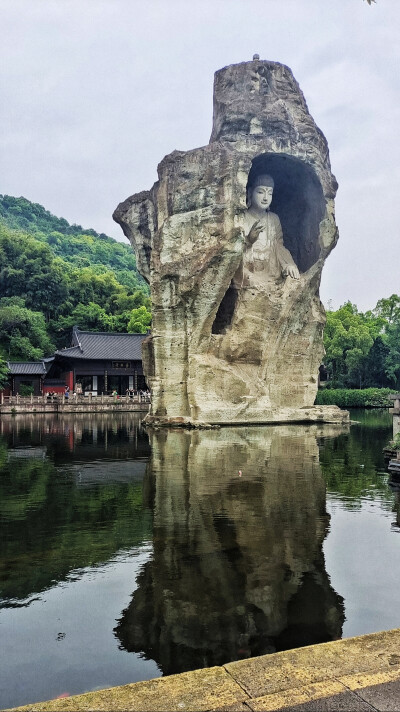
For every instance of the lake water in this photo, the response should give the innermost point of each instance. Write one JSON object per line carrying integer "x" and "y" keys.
{"x": 122, "y": 562}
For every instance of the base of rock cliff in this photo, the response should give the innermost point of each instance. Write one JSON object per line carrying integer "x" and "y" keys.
{"x": 313, "y": 414}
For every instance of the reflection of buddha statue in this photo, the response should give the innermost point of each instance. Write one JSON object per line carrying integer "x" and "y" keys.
{"x": 265, "y": 256}
{"x": 238, "y": 568}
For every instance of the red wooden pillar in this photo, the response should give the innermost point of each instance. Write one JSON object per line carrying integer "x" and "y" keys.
{"x": 69, "y": 380}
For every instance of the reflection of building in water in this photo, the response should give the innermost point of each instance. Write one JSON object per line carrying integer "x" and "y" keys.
{"x": 238, "y": 568}
{"x": 27, "y": 453}
{"x": 97, "y": 472}
{"x": 88, "y": 436}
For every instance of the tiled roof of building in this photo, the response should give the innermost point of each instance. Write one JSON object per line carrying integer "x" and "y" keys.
{"x": 104, "y": 345}
{"x": 26, "y": 368}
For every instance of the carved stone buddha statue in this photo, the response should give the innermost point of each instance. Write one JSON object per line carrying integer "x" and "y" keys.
{"x": 265, "y": 257}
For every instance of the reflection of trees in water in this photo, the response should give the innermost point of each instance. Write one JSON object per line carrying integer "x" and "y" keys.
{"x": 353, "y": 463}
{"x": 238, "y": 567}
{"x": 51, "y": 523}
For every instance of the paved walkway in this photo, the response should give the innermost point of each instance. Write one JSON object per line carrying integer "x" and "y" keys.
{"x": 356, "y": 674}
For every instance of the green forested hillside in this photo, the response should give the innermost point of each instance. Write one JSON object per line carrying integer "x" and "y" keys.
{"x": 83, "y": 248}
{"x": 54, "y": 275}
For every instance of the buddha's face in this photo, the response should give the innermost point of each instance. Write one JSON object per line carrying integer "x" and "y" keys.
{"x": 261, "y": 197}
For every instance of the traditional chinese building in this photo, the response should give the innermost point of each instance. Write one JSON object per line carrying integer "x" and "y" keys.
{"x": 98, "y": 363}
{"x": 95, "y": 363}
{"x": 29, "y": 374}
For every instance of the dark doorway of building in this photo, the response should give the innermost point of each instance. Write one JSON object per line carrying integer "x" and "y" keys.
{"x": 119, "y": 384}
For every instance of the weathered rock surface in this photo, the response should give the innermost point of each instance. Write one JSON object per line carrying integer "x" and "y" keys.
{"x": 221, "y": 349}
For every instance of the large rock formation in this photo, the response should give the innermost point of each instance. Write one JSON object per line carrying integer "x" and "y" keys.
{"x": 237, "y": 319}
{"x": 238, "y": 567}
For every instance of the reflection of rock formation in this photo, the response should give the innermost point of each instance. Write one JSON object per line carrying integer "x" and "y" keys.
{"x": 238, "y": 567}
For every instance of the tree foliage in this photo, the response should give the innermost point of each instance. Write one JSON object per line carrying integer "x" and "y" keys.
{"x": 363, "y": 349}
{"x": 29, "y": 270}
{"x": 389, "y": 309}
{"x": 23, "y": 333}
{"x": 3, "y": 373}
{"x": 66, "y": 275}
{"x": 354, "y": 398}
{"x": 140, "y": 320}
{"x": 71, "y": 242}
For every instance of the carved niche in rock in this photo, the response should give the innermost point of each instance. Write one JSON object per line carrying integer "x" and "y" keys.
{"x": 232, "y": 240}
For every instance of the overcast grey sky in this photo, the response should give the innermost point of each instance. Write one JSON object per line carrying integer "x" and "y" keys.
{"x": 94, "y": 93}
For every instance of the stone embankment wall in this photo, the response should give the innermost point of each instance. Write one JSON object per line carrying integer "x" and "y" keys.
{"x": 93, "y": 406}
{"x": 355, "y": 674}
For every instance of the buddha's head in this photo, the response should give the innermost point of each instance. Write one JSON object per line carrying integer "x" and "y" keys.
{"x": 260, "y": 193}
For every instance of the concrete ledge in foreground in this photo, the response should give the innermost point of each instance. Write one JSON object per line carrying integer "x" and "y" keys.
{"x": 356, "y": 674}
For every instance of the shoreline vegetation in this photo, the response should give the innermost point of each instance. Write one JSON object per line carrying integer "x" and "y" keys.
{"x": 353, "y": 398}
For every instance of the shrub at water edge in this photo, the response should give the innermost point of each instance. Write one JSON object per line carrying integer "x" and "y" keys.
{"x": 349, "y": 398}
